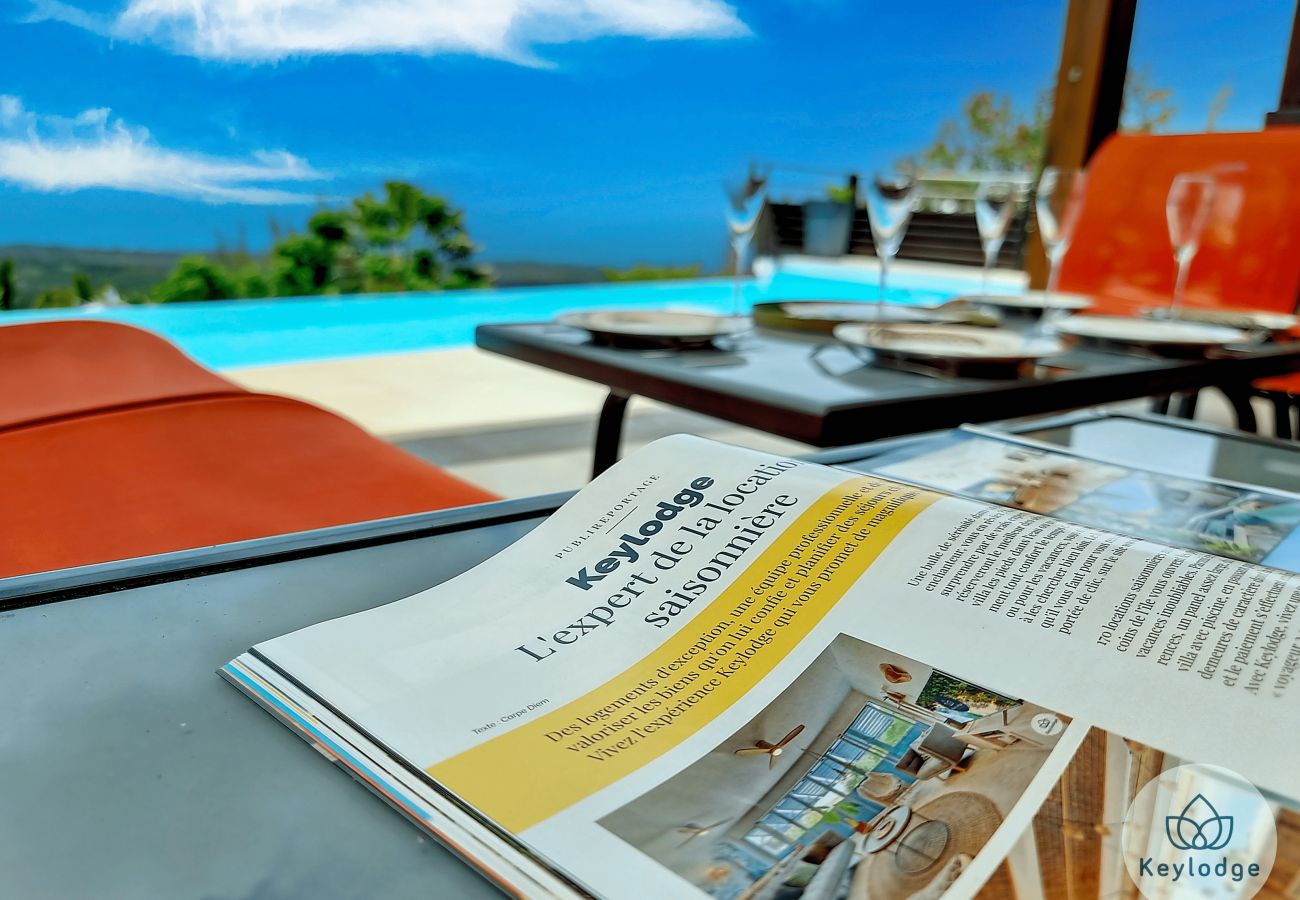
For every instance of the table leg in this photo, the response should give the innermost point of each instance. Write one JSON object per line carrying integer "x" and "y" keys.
{"x": 1281, "y": 415}
{"x": 609, "y": 432}
{"x": 1185, "y": 405}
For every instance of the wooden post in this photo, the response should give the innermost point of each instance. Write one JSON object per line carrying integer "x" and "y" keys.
{"x": 1288, "y": 104}
{"x": 1089, "y": 93}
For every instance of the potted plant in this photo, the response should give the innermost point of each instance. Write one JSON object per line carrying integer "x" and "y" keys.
{"x": 828, "y": 223}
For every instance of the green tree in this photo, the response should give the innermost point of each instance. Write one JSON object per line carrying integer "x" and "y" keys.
{"x": 195, "y": 278}
{"x": 8, "y": 292}
{"x": 1217, "y": 105}
{"x": 651, "y": 273}
{"x": 52, "y": 298}
{"x": 991, "y": 135}
{"x": 408, "y": 240}
{"x": 1147, "y": 109}
{"x": 403, "y": 240}
{"x": 302, "y": 264}
{"x": 253, "y": 284}
{"x": 82, "y": 287}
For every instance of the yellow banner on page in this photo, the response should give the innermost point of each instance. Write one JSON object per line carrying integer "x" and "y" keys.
{"x": 540, "y": 768}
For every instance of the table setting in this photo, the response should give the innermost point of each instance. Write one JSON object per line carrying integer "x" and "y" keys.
{"x": 984, "y": 334}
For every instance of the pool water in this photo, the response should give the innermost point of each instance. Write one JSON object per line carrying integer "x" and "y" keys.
{"x": 237, "y": 333}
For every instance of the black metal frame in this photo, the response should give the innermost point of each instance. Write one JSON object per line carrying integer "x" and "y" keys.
{"x": 842, "y": 424}
{"x": 1284, "y": 403}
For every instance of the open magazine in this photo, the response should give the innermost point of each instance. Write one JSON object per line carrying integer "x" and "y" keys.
{"x": 716, "y": 672}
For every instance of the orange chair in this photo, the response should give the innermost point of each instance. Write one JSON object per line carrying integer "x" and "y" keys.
{"x": 1249, "y": 256}
{"x": 49, "y": 370}
{"x": 192, "y": 473}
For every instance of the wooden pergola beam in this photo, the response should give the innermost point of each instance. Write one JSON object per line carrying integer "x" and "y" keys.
{"x": 1089, "y": 93}
{"x": 1288, "y": 104}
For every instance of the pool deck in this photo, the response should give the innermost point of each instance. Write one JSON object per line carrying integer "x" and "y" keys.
{"x": 510, "y": 427}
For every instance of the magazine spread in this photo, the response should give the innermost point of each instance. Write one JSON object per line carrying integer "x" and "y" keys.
{"x": 720, "y": 672}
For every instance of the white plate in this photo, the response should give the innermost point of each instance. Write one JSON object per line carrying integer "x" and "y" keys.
{"x": 1249, "y": 319}
{"x": 948, "y": 342}
{"x": 1151, "y": 332}
{"x": 855, "y": 311}
{"x": 656, "y": 324}
{"x": 1031, "y": 300}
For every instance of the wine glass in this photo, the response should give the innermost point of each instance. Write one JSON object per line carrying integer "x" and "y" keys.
{"x": 745, "y": 202}
{"x": 1058, "y": 205}
{"x": 889, "y": 209}
{"x": 995, "y": 205}
{"x": 1191, "y": 197}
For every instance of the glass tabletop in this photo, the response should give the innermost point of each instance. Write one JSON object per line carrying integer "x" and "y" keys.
{"x": 1184, "y": 451}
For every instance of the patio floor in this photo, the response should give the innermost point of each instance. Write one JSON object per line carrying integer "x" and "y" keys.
{"x": 509, "y": 427}
{"x": 512, "y": 428}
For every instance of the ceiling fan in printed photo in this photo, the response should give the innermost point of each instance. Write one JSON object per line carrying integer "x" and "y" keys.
{"x": 693, "y": 831}
{"x": 772, "y": 750}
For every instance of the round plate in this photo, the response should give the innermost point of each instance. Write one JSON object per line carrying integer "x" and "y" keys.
{"x": 1151, "y": 332}
{"x": 1246, "y": 319}
{"x": 822, "y": 316}
{"x": 1031, "y": 301}
{"x": 963, "y": 342}
{"x": 655, "y": 325}
{"x": 851, "y": 311}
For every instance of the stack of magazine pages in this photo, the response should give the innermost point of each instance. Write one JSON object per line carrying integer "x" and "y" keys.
{"x": 716, "y": 672}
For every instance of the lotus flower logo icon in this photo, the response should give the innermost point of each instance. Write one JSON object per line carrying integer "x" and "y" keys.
{"x": 1199, "y": 827}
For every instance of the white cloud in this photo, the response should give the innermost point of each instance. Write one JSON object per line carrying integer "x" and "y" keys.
{"x": 94, "y": 150}
{"x": 265, "y": 30}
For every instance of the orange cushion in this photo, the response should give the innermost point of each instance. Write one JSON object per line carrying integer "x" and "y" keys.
{"x": 68, "y": 367}
{"x": 198, "y": 472}
{"x": 1282, "y": 384}
{"x": 1249, "y": 256}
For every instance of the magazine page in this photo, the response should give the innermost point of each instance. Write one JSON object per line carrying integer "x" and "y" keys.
{"x": 730, "y": 672}
{"x": 1238, "y": 520}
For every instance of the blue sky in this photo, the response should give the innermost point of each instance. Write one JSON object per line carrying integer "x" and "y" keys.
{"x": 569, "y": 130}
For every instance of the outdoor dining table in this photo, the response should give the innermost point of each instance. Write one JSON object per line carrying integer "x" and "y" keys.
{"x": 133, "y": 770}
{"x": 818, "y": 391}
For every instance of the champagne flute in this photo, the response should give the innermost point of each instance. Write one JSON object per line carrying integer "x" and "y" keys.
{"x": 995, "y": 204}
{"x": 1058, "y": 205}
{"x": 1191, "y": 197}
{"x": 889, "y": 210}
{"x": 745, "y": 202}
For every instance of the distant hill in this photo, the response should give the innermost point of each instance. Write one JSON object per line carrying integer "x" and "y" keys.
{"x": 37, "y": 268}
{"x": 130, "y": 271}
{"x": 520, "y": 274}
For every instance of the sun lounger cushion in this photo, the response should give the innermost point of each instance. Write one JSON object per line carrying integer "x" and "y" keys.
{"x": 193, "y": 473}
{"x": 49, "y": 370}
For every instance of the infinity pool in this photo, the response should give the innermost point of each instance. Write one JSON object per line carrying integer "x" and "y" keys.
{"x": 237, "y": 333}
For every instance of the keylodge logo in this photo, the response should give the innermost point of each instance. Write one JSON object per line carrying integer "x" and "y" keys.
{"x": 1199, "y": 827}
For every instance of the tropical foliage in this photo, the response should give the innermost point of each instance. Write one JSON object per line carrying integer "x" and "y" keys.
{"x": 402, "y": 240}
{"x": 991, "y": 135}
{"x": 8, "y": 292}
